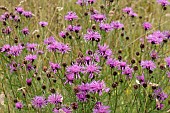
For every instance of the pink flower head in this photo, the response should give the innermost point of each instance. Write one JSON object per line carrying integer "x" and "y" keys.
{"x": 71, "y": 16}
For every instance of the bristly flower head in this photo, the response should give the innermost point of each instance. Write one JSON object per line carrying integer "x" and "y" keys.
{"x": 168, "y": 61}
{"x": 75, "y": 69}
{"x": 25, "y": 31}
{"x": 71, "y": 16}
{"x": 116, "y": 25}
{"x": 98, "y": 17}
{"x": 43, "y": 24}
{"x": 55, "y": 98}
{"x": 30, "y": 57}
{"x": 147, "y": 25}
{"x": 39, "y": 102}
{"x": 31, "y": 46}
{"x": 100, "y": 108}
{"x": 104, "y": 51}
{"x": 15, "y": 50}
{"x": 19, "y": 105}
{"x": 54, "y": 67}
{"x": 27, "y": 14}
{"x": 19, "y": 10}
{"x": 150, "y": 65}
{"x": 62, "y": 110}
{"x": 92, "y": 35}
{"x": 156, "y": 37}
{"x": 164, "y": 3}
{"x": 106, "y": 27}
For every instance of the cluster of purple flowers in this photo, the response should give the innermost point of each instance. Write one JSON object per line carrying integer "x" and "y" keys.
{"x": 94, "y": 87}
{"x": 85, "y": 2}
{"x": 21, "y": 11}
{"x": 164, "y": 3}
{"x": 157, "y": 37}
{"x": 100, "y": 108}
{"x": 53, "y": 46}
{"x": 129, "y": 11}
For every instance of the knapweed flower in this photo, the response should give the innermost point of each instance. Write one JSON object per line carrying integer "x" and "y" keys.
{"x": 154, "y": 55}
{"x": 91, "y": 1}
{"x": 100, "y": 108}
{"x": 106, "y": 27}
{"x": 27, "y": 14}
{"x": 98, "y": 87}
{"x": 159, "y": 94}
{"x": 5, "y": 48}
{"x": 7, "y": 30}
{"x": 116, "y": 25}
{"x": 164, "y": 3}
{"x": 133, "y": 14}
{"x": 156, "y": 38}
{"x": 15, "y": 50}
{"x": 55, "y": 98}
{"x": 92, "y": 35}
{"x": 127, "y": 10}
{"x": 141, "y": 79}
{"x": 31, "y": 46}
{"x": 127, "y": 71}
{"x": 43, "y": 24}
{"x": 98, "y": 17}
{"x": 13, "y": 66}
{"x": 92, "y": 69}
{"x": 63, "y": 34}
{"x": 150, "y": 65}
{"x": 159, "y": 106}
{"x": 167, "y": 60}
{"x": 62, "y": 110}
{"x": 54, "y": 67}
{"x": 104, "y": 51}
{"x": 71, "y": 16}
{"x": 82, "y": 96}
{"x": 39, "y": 102}
{"x": 166, "y": 34}
{"x": 49, "y": 40}
{"x": 29, "y": 81}
{"x": 81, "y": 2}
{"x": 112, "y": 63}
{"x": 30, "y": 57}
{"x": 19, "y": 10}
{"x": 74, "y": 69}
{"x": 77, "y": 28}
{"x": 63, "y": 48}
{"x": 147, "y": 25}
{"x": 25, "y": 31}
{"x": 69, "y": 78}
{"x": 19, "y": 105}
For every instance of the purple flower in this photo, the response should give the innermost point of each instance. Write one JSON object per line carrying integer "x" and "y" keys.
{"x": 82, "y": 96}
{"x": 55, "y": 98}
{"x": 29, "y": 81}
{"x": 71, "y": 16}
{"x": 54, "y": 67}
{"x": 69, "y": 78}
{"x": 30, "y": 57}
{"x": 164, "y": 3}
{"x": 98, "y": 87}
{"x": 77, "y": 28}
{"x": 159, "y": 106}
{"x": 39, "y": 102}
{"x": 74, "y": 69}
{"x": 63, "y": 34}
{"x": 132, "y": 14}
{"x": 105, "y": 27}
{"x": 62, "y": 110}
{"x": 141, "y": 79}
{"x": 15, "y": 50}
{"x": 7, "y": 30}
{"x": 92, "y": 69}
{"x": 43, "y": 24}
{"x": 150, "y": 65}
{"x": 154, "y": 55}
{"x": 98, "y": 17}
{"x": 116, "y": 25}
{"x": 19, "y": 105}
{"x": 167, "y": 34}
{"x": 91, "y": 1}
{"x": 127, "y": 71}
{"x": 27, "y": 14}
{"x": 147, "y": 25}
{"x": 25, "y": 31}
{"x": 31, "y": 46}
{"x": 112, "y": 62}
{"x": 100, "y": 108}
{"x": 159, "y": 94}
{"x": 49, "y": 40}
{"x": 156, "y": 38}
{"x": 5, "y": 48}
{"x": 127, "y": 10}
{"x": 13, "y": 66}
{"x": 92, "y": 35}
{"x": 63, "y": 48}
{"x": 104, "y": 51}
{"x": 19, "y": 10}
{"x": 167, "y": 60}
{"x": 81, "y": 2}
